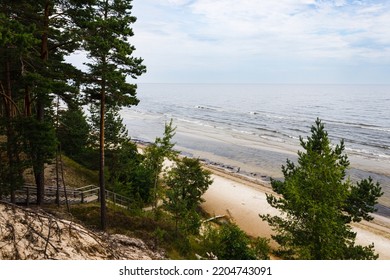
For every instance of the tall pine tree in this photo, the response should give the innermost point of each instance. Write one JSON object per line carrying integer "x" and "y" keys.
{"x": 43, "y": 32}
{"x": 16, "y": 41}
{"x": 107, "y": 33}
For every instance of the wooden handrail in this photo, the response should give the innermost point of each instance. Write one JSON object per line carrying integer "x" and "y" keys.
{"x": 82, "y": 193}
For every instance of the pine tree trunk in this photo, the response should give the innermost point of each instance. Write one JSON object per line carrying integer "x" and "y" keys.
{"x": 10, "y": 131}
{"x": 40, "y": 164}
{"x": 27, "y": 102}
{"x": 103, "y": 210}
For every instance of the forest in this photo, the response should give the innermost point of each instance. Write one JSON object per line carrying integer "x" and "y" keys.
{"x": 50, "y": 108}
{"x": 36, "y": 38}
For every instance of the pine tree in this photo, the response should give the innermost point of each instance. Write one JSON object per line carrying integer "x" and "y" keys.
{"x": 317, "y": 203}
{"x": 155, "y": 154}
{"x": 107, "y": 33}
{"x": 115, "y": 131}
{"x": 186, "y": 182}
{"x": 73, "y": 132}
{"x": 16, "y": 41}
{"x": 45, "y": 33}
{"x": 51, "y": 75}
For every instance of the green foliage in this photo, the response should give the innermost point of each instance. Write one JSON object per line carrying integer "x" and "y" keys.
{"x": 161, "y": 149}
{"x": 40, "y": 139}
{"x": 73, "y": 133}
{"x": 35, "y": 37}
{"x": 16, "y": 41}
{"x": 135, "y": 174}
{"x": 186, "y": 183}
{"x": 107, "y": 29}
{"x": 107, "y": 32}
{"x": 127, "y": 174}
{"x": 115, "y": 131}
{"x": 261, "y": 248}
{"x": 317, "y": 203}
{"x": 155, "y": 154}
{"x": 16, "y": 38}
{"x": 229, "y": 242}
{"x": 233, "y": 244}
{"x": 362, "y": 200}
{"x": 11, "y": 163}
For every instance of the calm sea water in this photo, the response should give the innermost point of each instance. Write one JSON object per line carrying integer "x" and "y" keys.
{"x": 260, "y": 125}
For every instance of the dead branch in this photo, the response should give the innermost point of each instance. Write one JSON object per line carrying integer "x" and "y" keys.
{"x": 47, "y": 240}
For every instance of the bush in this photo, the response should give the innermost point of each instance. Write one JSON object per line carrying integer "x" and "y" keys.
{"x": 229, "y": 242}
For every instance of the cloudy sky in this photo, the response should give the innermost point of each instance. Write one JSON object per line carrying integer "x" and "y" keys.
{"x": 263, "y": 41}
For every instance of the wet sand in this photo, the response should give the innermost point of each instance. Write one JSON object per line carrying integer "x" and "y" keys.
{"x": 243, "y": 200}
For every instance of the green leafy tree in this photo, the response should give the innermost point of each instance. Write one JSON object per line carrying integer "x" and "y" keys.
{"x": 107, "y": 33}
{"x": 135, "y": 174}
{"x": 186, "y": 183}
{"x": 317, "y": 203}
{"x": 233, "y": 244}
{"x": 229, "y": 242}
{"x": 155, "y": 154}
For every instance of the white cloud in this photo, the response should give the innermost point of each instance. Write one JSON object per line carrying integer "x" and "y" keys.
{"x": 177, "y": 2}
{"x": 293, "y": 24}
{"x": 227, "y": 32}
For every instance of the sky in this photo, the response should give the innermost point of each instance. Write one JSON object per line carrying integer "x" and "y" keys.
{"x": 263, "y": 41}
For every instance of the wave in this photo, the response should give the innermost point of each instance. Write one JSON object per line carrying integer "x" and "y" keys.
{"x": 289, "y": 118}
{"x": 196, "y": 122}
{"x": 300, "y": 131}
{"x": 368, "y": 154}
{"x": 360, "y": 125}
{"x": 244, "y": 131}
{"x": 210, "y": 108}
{"x": 272, "y": 138}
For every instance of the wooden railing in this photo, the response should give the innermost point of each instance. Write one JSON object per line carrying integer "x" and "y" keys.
{"x": 28, "y": 195}
{"x": 87, "y": 193}
{"x": 118, "y": 199}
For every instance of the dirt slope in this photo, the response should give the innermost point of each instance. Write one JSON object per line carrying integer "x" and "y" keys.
{"x": 35, "y": 234}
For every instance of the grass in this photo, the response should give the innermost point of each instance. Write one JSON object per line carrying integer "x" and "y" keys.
{"x": 77, "y": 175}
{"x": 160, "y": 233}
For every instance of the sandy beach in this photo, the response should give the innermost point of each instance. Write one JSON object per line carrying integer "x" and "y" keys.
{"x": 243, "y": 200}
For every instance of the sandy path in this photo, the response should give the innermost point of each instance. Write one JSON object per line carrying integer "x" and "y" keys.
{"x": 243, "y": 201}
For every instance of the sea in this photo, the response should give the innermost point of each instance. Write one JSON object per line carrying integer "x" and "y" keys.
{"x": 254, "y": 128}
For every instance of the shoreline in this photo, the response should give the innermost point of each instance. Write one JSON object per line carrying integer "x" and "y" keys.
{"x": 265, "y": 162}
{"x": 243, "y": 199}
{"x": 262, "y": 182}
{"x": 259, "y": 176}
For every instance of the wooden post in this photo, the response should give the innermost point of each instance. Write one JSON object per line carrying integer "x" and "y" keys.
{"x": 28, "y": 197}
